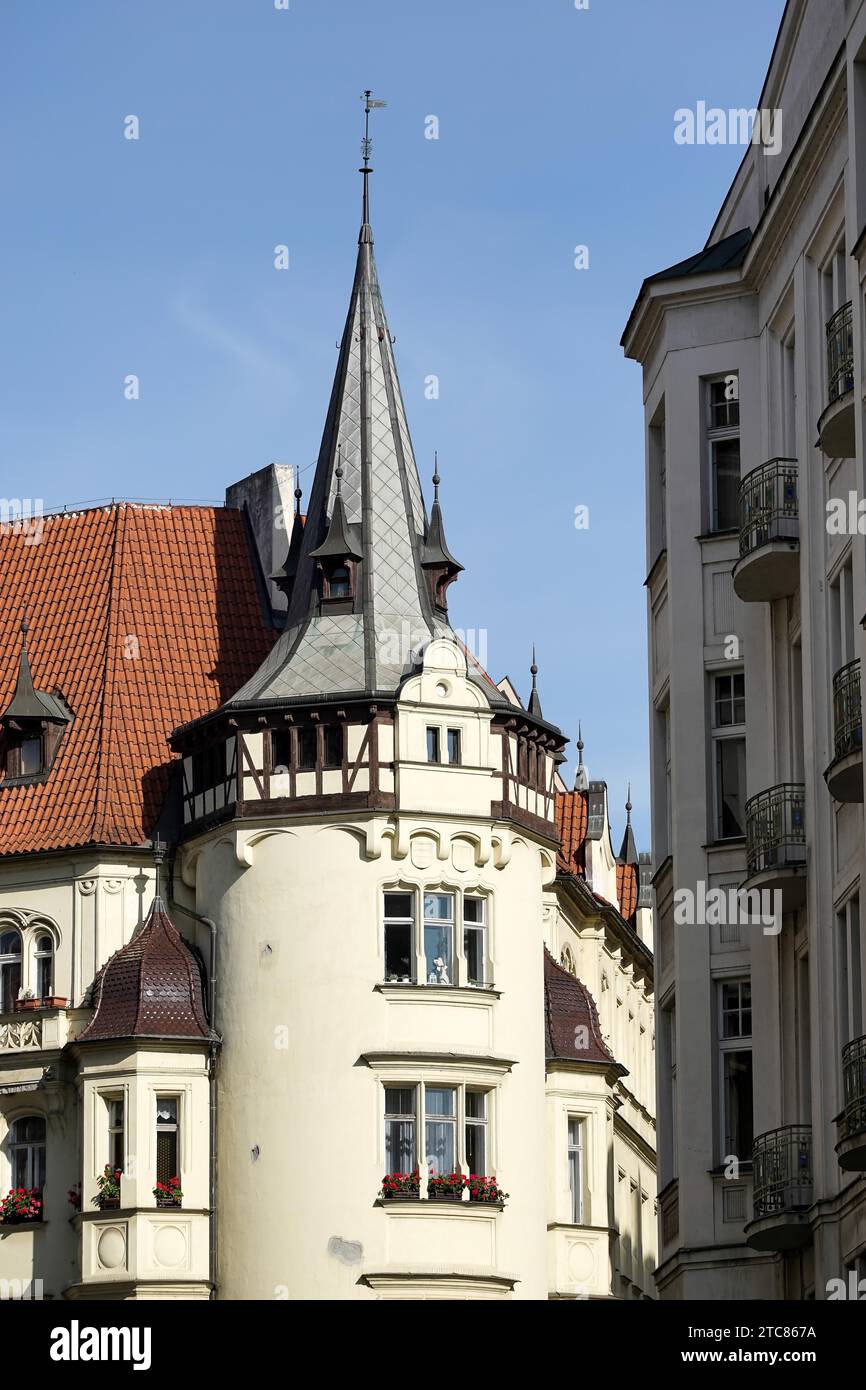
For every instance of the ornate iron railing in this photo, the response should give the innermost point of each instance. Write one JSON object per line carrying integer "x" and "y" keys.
{"x": 847, "y": 713}
{"x": 782, "y": 1170}
{"x": 776, "y": 828}
{"x": 854, "y": 1086}
{"x": 768, "y": 505}
{"x": 840, "y": 353}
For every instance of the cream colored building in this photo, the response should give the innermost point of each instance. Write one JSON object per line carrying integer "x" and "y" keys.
{"x": 406, "y": 949}
{"x": 752, "y": 354}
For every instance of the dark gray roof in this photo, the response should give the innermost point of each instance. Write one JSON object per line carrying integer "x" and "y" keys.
{"x": 727, "y": 254}
{"x": 377, "y": 509}
{"x": 29, "y": 703}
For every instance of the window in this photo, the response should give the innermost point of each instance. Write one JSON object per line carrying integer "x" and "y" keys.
{"x": 399, "y": 1129}
{"x": 166, "y": 1139}
{"x": 334, "y": 745}
{"x": 850, "y": 1002}
{"x": 116, "y": 1154}
{"x": 44, "y": 960}
{"x": 723, "y": 438}
{"x": 281, "y": 751}
{"x": 440, "y": 1129}
{"x": 575, "y": 1169}
{"x": 473, "y": 940}
{"x": 438, "y": 938}
{"x": 27, "y": 1150}
{"x": 737, "y": 1009}
{"x": 729, "y": 753}
{"x": 433, "y": 745}
{"x": 454, "y": 746}
{"x": 207, "y": 768}
{"x": 399, "y": 933}
{"x": 10, "y": 970}
{"x": 476, "y": 1132}
{"x": 656, "y": 451}
{"x": 340, "y": 584}
{"x": 735, "y": 1029}
{"x": 30, "y": 757}
{"x": 306, "y": 750}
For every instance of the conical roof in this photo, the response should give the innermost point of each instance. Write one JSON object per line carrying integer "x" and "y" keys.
{"x": 377, "y": 511}
{"x": 151, "y": 988}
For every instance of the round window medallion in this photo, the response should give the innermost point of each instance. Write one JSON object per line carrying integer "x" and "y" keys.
{"x": 442, "y": 690}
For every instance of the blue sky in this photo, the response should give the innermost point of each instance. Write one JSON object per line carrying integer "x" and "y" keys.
{"x": 155, "y": 257}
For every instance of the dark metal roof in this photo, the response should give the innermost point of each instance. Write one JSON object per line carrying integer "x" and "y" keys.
{"x": 29, "y": 703}
{"x": 727, "y": 254}
{"x": 571, "y": 1019}
{"x": 151, "y": 988}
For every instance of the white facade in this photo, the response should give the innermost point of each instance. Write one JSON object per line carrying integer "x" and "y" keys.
{"x": 756, "y": 771}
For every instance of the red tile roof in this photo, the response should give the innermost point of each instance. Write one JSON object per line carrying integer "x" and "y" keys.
{"x": 142, "y": 618}
{"x": 627, "y": 889}
{"x": 571, "y": 815}
{"x": 572, "y": 1032}
{"x": 150, "y": 988}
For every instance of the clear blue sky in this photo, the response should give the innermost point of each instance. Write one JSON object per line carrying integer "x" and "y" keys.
{"x": 155, "y": 257}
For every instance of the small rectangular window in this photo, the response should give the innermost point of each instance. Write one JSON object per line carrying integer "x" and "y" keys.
{"x": 306, "y": 750}
{"x": 433, "y": 745}
{"x": 453, "y": 746}
{"x": 575, "y": 1170}
{"x": 166, "y": 1139}
{"x": 725, "y": 454}
{"x": 30, "y": 756}
{"x": 334, "y": 746}
{"x": 281, "y": 751}
{"x": 440, "y": 1130}
{"x": 737, "y": 1083}
{"x": 725, "y": 403}
{"x": 439, "y": 938}
{"x": 737, "y": 1009}
{"x": 116, "y": 1155}
{"x": 729, "y": 700}
{"x": 400, "y": 1129}
{"x": 399, "y": 932}
{"x": 473, "y": 940}
{"x": 476, "y": 1133}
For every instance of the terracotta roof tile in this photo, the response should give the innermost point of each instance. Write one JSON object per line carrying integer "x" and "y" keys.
{"x": 142, "y": 618}
{"x": 627, "y": 889}
{"x": 569, "y": 1007}
{"x": 571, "y": 815}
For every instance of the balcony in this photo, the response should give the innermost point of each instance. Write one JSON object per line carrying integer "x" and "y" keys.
{"x": 851, "y": 1148}
{"x": 776, "y": 843}
{"x": 844, "y": 776}
{"x": 769, "y": 563}
{"x": 836, "y": 425}
{"x": 782, "y": 1173}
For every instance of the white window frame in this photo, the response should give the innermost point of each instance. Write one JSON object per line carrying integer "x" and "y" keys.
{"x": 39, "y": 956}
{"x": 717, "y": 434}
{"x": 29, "y": 1148}
{"x": 460, "y": 1086}
{"x": 411, "y": 922}
{"x": 111, "y": 1099}
{"x": 724, "y": 733}
{"x": 9, "y": 958}
{"x": 176, "y": 1128}
{"x": 742, "y": 1042}
{"x": 576, "y": 1162}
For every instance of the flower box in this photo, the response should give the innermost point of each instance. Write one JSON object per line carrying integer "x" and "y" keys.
{"x": 22, "y": 1006}
{"x": 484, "y": 1189}
{"x": 109, "y": 1203}
{"x": 400, "y": 1186}
{"x": 21, "y": 1206}
{"x": 168, "y": 1194}
{"x": 446, "y": 1187}
{"x": 168, "y": 1202}
{"x": 54, "y": 1001}
{"x": 108, "y": 1182}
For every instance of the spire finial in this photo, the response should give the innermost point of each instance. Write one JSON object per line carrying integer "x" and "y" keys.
{"x": 436, "y": 479}
{"x": 370, "y": 104}
{"x": 628, "y": 806}
{"x": 338, "y": 471}
{"x": 298, "y": 494}
{"x": 158, "y": 845}
{"x": 533, "y": 670}
{"x": 581, "y": 777}
{"x": 534, "y": 701}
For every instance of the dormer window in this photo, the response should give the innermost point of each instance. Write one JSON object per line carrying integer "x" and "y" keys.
{"x": 340, "y": 583}
{"x": 33, "y": 724}
{"x": 338, "y": 555}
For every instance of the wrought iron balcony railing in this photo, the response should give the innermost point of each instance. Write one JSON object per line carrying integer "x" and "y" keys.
{"x": 776, "y": 828}
{"x": 782, "y": 1171}
{"x": 847, "y": 714}
{"x": 840, "y": 353}
{"x": 768, "y": 505}
{"x": 854, "y": 1086}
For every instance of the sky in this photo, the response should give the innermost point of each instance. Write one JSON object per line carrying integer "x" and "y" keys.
{"x": 155, "y": 258}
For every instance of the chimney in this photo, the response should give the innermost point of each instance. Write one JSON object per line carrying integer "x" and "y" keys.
{"x": 269, "y": 503}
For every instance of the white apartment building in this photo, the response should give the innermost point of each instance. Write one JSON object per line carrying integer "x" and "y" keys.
{"x": 753, "y": 372}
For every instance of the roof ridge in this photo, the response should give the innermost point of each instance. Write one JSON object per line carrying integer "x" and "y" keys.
{"x": 102, "y": 830}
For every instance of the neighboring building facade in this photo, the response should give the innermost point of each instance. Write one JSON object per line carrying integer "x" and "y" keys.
{"x": 407, "y": 949}
{"x": 752, "y": 354}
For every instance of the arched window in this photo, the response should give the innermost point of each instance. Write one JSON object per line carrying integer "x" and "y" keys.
{"x": 44, "y": 958}
{"x": 27, "y": 1148}
{"x": 339, "y": 585}
{"x": 10, "y": 970}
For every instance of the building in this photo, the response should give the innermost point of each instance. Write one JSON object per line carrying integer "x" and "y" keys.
{"x": 752, "y": 357}
{"x": 297, "y": 918}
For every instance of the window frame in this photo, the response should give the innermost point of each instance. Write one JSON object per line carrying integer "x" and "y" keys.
{"x": 460, "y": 1121}
{"x": 168, "y": 1127}
{"x": 39, "y": 959}
{"x": 398, "y": 921}
{"x": 115, "y": 1130}
{"x": 727, "y": 1047}
{"x": 576, "y": 1167}
{"x": 434, "y": 745}
{"x": 719, "y": 434}
{"x": 31, "y": 1150}
{"x": 726, "y": 733}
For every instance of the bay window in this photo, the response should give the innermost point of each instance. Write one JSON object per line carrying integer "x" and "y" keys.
{"x": 439, "y": 938}
{"x": 575, "y": 1169}
{"x": 456, "y": 1130}
{"x": 440, "y": 1130}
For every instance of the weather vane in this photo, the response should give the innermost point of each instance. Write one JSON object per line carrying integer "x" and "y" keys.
{"x": 371, "y": 103}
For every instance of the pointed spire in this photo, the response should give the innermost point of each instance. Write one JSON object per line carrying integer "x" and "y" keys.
{"x": 534, "y": 705}
{"x": 628, "y": 851}
{"x": 342, "y": 541}
{"x": 366, "y": 169}
{"x": 581, "y": 777}
{"x": 436, "y": 558}
{"x": 28, "y": 702}
{"x": 285, "y": 577}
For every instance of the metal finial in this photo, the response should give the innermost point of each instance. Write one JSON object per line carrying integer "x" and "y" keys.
{"x": 580, "y": 744}
{"x": 533, "y": 670}
{"x": 436, "y": 479}
{"x": 370, "y": 104}
{"x": 159, "y": 847}
{"x": 298, "y": 495}
{"x": 25, "y": 626}
{"x": 338, "y": 471}
{"x": 628, "y": 807}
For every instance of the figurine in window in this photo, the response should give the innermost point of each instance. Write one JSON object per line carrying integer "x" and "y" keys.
{"x": 439, "y": 974}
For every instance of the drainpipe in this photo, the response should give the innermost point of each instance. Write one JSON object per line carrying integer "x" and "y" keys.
{"x": 212, "y": 1079}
